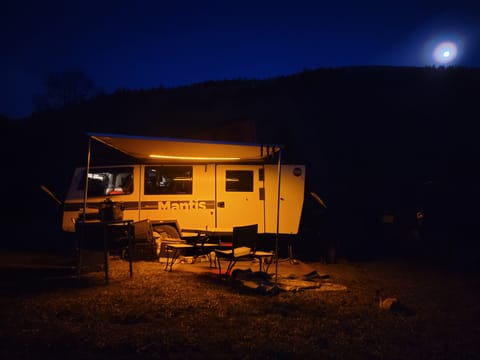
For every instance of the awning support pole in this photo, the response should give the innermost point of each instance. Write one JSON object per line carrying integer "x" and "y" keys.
{"x": 86, "y": 179}
{"x": 279, "y": 173}
{"x": 80, "y": 237}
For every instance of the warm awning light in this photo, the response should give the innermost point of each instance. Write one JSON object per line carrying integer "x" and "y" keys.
{"x": 154, "y": 149}
{"x": 193, "y": 158}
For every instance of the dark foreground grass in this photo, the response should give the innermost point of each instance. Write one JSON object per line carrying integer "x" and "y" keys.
{"x": 183, "y": 315}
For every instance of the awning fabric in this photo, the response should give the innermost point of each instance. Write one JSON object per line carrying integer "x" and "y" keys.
{"x": 155, "y": 149}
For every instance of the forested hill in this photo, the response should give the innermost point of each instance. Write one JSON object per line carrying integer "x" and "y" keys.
{"x": 366, "y": 134}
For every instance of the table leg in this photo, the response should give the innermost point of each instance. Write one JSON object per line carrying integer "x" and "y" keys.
{"x": 105, "y": 253}
{"x": 130, "y": 232}
{"x": 211, "y": 263}
{"x": 167, "y": 250}
{"x": 171, "y": 260}
{"x": 174, "y": 258}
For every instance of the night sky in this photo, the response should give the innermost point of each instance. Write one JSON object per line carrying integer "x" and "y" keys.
{"x": 148, "y": 44}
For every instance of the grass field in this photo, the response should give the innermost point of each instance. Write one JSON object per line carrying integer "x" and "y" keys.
{"x": 190, "y": 313}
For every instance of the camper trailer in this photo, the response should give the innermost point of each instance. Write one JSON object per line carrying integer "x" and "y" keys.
{"x": 184, "y": 187}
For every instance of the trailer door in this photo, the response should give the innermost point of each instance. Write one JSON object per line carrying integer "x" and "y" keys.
{"x": 240, "y": 196}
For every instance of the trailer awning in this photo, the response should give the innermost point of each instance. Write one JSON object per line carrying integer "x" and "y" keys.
{"x": 161, "y": 149}
{"x": 155, "y": 149}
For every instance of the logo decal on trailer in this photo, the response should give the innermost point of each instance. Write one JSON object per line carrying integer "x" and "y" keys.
{"x": 186, "y": 205}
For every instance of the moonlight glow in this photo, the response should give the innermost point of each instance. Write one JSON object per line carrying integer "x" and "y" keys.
{"x": 445, "y": 52}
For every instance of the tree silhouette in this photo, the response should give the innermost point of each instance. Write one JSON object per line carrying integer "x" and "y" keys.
{"x": 65, "y": 88}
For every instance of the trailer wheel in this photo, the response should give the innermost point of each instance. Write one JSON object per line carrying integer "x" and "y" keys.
{"x": 166, "y": 232}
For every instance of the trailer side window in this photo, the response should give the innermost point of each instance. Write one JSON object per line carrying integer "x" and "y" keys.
{"x": 239, "y": 180}
{"x": 108, "y": 181}
{"x": 168, "y": 180}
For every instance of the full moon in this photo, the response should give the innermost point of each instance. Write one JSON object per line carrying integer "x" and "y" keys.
{"x": 445, "y": 52}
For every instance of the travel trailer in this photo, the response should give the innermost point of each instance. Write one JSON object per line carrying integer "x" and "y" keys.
{"x": 189, "y": 186}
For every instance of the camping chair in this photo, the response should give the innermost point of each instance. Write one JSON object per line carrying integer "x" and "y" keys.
{"x": 145, "y": 246}
{"x": 244, "y": 243}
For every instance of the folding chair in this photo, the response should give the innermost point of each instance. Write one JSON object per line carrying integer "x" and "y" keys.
{"x": 145, "y": 246}
{"x": 244, "y": 243}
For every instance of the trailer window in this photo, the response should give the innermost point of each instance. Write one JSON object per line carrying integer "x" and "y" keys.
{"x": 239, "y": 180}
{"x": 168, "y": 180}
{"x": 108, "y": 181}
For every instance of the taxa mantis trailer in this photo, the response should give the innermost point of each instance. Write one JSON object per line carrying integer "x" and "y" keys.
{"x": 187, "y": 186}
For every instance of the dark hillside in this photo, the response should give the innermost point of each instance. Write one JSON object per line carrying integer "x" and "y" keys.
{"x": 374, "y": 139}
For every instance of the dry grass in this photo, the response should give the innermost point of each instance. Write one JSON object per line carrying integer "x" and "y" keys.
{"x": 189, "y": 315}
